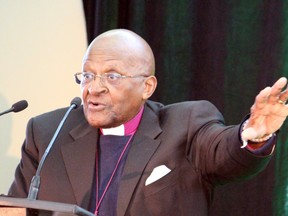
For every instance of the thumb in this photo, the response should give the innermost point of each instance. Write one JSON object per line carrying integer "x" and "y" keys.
{"x": 249, "y": 133}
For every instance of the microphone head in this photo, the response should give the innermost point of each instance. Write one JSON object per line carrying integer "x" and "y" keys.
{"x": 76, "y": 102}
{"x": 19, "y": 106}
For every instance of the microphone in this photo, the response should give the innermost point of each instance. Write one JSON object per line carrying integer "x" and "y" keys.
{"x": 16, "y": 107}
{"x": 35, "y": 182}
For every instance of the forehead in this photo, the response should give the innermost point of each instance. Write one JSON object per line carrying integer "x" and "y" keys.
{"x": 107, "y": 58}
{"x": 98, "y": 55}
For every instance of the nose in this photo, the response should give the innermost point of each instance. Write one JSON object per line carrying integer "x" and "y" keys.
{"x": 97, "y": 86}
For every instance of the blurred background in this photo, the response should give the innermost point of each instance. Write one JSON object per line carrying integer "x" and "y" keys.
{"x": 42, "y": 44}
{"x": 224, "y": 51}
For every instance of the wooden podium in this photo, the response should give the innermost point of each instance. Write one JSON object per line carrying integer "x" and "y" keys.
{"x": 25, "y": 207}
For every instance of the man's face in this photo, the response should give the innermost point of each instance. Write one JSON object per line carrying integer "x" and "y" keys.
{"x": 109, "y": 105}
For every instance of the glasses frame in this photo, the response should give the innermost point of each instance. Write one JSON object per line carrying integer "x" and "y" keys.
{"x": 103, "y": 77}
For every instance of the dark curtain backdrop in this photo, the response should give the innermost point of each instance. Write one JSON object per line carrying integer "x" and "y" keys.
{"x": 223, "y": 51}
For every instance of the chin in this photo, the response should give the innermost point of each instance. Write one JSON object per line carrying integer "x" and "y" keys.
{"x": 100, "y": 124}
{"x": 103, "y": 121}
{"x": 96, "y": 124}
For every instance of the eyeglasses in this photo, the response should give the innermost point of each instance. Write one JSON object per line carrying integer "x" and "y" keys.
{"x": 85, "y": 78}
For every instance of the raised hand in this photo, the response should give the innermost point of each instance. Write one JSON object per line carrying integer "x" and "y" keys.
{"x": 268, "y": 112}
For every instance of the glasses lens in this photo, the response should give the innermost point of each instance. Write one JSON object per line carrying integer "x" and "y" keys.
{"x": 86, "y": 78}
{"x": 112, "y": 78}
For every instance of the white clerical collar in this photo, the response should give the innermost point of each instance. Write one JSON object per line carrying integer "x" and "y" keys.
{"x": 117, "y": 131}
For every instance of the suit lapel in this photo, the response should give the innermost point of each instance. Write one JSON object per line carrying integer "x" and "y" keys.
{"x": 79, "y": 159}
{"x": 142, "y": 148}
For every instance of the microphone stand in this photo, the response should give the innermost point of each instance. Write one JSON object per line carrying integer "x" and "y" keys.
{"x": 35, "y": 182}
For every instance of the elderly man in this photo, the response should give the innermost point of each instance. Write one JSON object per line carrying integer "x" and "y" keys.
{"x": 121, "y": 154}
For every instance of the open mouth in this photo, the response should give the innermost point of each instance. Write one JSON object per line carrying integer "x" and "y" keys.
{"x": 95, "y": 106}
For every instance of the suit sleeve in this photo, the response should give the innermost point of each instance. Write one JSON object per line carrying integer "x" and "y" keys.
{"x": 215, "y": 149}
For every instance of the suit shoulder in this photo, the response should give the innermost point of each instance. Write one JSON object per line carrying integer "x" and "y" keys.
{"x": 201, "y": 106}
{"x": 199, "y": 110}
{"x": 57, "y": 114}
{"x": 191, "y": 105}
{"x": 51, "y": 114}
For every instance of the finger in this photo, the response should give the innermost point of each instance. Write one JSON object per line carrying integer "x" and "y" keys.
{"x": 276, "y": 90}
{"x": 284, "y": 95}
{"x": 263, "y": 96}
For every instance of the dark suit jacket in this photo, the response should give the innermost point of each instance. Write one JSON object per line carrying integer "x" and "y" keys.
{"x": 189, "y": 138}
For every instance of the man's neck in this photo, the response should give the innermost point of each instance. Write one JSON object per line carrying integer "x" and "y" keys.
{"x": 127, "y": 128}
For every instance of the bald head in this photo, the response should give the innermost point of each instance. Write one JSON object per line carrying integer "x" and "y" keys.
{"x": 131, "y": 47}
{"x": 122, "y": 66}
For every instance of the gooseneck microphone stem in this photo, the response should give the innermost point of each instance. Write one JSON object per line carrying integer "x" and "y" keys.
{"x": 35, "y": 182}
{"x": 7, "y": 111}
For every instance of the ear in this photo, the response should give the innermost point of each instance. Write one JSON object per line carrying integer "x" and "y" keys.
{"x": 150, "y": 85}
